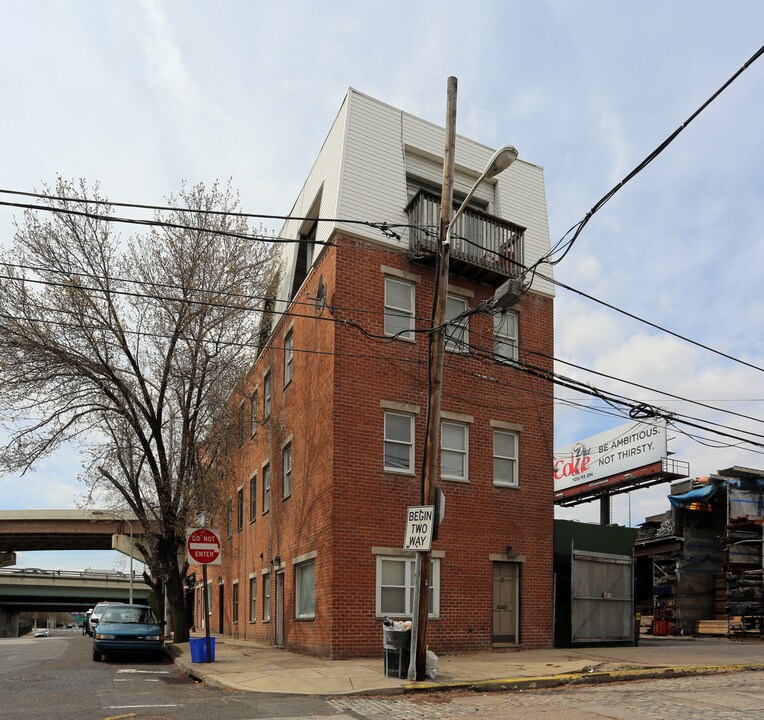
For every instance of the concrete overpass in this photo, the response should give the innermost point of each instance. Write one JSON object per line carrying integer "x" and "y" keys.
{"x": 37, "y": 589}
{"x": 34, "y": 589}
{"x": 67, "y": 530}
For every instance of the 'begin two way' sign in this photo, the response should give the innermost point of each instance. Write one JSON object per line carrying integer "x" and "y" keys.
{"x": 419, "y": 523}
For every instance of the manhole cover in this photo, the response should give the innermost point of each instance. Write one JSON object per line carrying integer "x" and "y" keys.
{"x": 31, "y": 678}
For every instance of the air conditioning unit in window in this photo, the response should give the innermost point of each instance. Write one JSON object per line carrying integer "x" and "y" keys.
{"x": 508, "y": 293}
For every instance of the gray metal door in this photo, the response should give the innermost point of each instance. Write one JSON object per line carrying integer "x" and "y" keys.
{"x": 506, "y": 592}
{"x": 602, "y": 603}
{"x": 279, "y": 609}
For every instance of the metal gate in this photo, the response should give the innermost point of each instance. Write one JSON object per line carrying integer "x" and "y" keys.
{"x": 602, "y": 598}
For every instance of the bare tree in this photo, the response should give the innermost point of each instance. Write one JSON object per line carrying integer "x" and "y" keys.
{"x": 131, "y": 348}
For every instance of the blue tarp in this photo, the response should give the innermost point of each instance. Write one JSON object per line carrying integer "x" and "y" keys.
{"x": 705, "y": 493}
{"x": 701, "y": 494}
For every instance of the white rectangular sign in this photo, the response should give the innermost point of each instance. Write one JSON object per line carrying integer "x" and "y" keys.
{"x": 419, "y": 523}
{"x": 610, "y": 453}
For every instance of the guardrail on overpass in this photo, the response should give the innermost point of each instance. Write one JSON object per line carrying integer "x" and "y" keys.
{"x": 24, "y": 589}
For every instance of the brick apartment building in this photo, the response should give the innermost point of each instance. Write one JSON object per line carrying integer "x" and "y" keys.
{"x": 326, "y": 450}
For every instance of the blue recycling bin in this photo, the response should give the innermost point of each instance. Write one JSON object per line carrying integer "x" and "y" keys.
{"x": 199, "y": 649}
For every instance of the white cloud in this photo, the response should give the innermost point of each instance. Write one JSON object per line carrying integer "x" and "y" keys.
{"x": 141, "y": 96}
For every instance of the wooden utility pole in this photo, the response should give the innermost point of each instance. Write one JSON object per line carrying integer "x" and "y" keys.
{"x": 437, "y": 345}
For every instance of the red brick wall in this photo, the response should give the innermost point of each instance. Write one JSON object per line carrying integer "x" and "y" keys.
{"x": 343, "y": 504}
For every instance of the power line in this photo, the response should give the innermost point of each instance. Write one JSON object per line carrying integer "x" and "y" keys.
{"x": 382, "y": 227}
{"x": 217, "y": 342}
{"x": 635, "y": 407}
{"x": 384, "y": 338}
{"x": 168, "y": 286}
{"x": 541, "y": 373}
{"x": 158, "y": 223}
{"x": 610, "y": 306}
{"x": 527, "y": 351}
{"x": 388, "y": 229}
{"x": 372, "y": 336}
{"x": 641, "y": 166}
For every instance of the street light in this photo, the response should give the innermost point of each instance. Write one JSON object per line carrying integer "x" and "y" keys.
{"x": 130, "y": 526}
{"x": 500, "y": 161}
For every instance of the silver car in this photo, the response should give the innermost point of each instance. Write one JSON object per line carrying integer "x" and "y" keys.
{"x": 95, "y": 616}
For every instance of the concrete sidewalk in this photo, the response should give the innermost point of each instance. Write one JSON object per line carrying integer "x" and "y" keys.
{"x": 249, "y": 666}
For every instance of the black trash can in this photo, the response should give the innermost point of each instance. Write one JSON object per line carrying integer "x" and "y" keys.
{"x": 397, "y": 646}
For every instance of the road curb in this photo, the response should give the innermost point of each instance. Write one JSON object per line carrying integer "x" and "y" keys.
{"x": 199, "y": 672}
{"x": 582, "y": 678}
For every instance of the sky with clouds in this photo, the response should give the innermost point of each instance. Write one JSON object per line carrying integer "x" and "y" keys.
{"x": 142, "y": 95}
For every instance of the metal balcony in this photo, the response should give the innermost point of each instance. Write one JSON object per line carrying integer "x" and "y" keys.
{"x": 484, "y": 248}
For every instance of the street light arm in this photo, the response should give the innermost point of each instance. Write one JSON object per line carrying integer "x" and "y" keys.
{"x": 499, "y": 162}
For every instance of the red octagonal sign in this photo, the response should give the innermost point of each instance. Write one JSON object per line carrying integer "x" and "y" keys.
{"x": 203, "y": 547}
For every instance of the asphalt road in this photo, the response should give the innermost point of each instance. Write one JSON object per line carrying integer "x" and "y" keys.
{"x": 55, "y": 679}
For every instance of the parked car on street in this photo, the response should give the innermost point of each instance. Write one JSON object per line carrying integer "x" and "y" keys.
{"x": 95, "y": 616}
{"x": 128, "y": 629}
{"x": 42, "y": 632}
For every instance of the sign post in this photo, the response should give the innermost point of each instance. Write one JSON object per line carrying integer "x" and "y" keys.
{"x": 420, "y": 520}
{"x": 203, "y": 546}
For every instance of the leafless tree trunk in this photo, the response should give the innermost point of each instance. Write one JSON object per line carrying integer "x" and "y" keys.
{"x": 130, "y": 348}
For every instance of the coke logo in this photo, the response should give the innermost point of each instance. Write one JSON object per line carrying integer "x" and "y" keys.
{"x": 578, "y": 462}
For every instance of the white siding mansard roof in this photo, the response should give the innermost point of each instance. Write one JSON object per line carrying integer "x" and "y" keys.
{"x": 360, "y": 174}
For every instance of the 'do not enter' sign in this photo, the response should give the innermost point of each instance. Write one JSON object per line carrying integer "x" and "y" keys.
{"x": 203, "y": 546}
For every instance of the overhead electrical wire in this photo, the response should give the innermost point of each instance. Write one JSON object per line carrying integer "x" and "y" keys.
{"x": 157, "y": 223}
{"x": 579, "y": 226}
{"x": 193, "y": 211}
{"x": 171, "y": 286}
{"x": 628, "y": 314}
{"x": 607, "y": 376}
{"x": 616, "y": 398}
{"x": 382, "y": 226}
{"x": 385, "y": 228}
{"x": 384, "y": 338}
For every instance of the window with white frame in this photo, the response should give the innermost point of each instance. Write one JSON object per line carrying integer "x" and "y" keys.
{"x": 253, "y": 415}
{"x": 253, "y": 599}
{"x": 396, "y": 586}
{"x": 288, "y": 353}
{"x": 267, "y": 395}
{"x": 399, "y": 442}
{"x": 209, "y": 597}
{"x": 235, "y": 601}
{"x": 399, "y": 308}
{"x": 253, "y": 498}
{"x": 505, "y": 336}
{"x": 454, "y": 455}
{"x": 240, "y": 509}
{"x": 266, "y": 597}
{"x": 457, "y": 333}
{"x": 287, "y": 471}
{"x": 266, "y": 488}
{"x": 505, "y": 458}
{"x": 305, "y": 589}
{"x": 241, "y": 420}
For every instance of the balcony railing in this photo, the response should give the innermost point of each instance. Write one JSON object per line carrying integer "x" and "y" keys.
{"x": 483, "y": 246}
